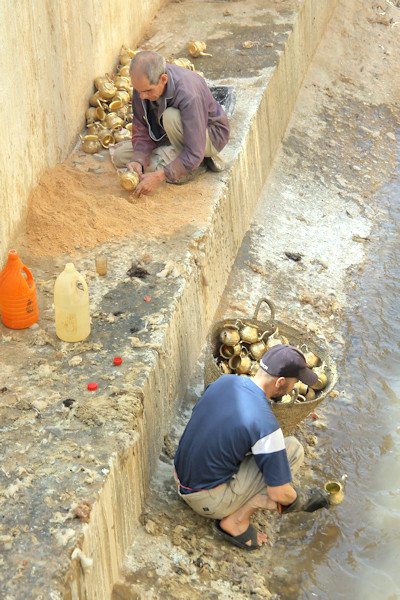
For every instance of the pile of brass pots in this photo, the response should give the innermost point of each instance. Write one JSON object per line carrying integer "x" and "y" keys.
{"x": 109, "y": 118}
{"x": 242, "y": 345}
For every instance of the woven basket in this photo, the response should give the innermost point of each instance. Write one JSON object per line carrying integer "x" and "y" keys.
{"x": 288, "y": 414}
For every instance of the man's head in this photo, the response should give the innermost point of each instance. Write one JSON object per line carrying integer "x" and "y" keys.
{"x": 148, "y": 75}
{"x": 281, "y": 367}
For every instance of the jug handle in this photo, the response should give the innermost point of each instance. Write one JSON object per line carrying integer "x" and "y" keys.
{"x": 80, "y": 279}
{"x": 29, "y": 276}
{"x": 270, "y": 305}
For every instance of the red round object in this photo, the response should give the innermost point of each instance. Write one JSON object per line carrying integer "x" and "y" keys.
{"x": 92, "y": 386}
{"x": 117, "y": 360}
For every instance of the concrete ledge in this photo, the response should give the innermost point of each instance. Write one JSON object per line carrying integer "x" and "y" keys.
{"x": 138, "y": 411}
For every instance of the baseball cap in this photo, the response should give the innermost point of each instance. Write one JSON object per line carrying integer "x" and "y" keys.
{"x": 284, "y": 360}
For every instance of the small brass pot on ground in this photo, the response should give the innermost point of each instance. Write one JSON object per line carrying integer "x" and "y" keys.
{"x": 197, "y": 49}
{"x": 90, "y": 144}
{"x": 335, "y": 492}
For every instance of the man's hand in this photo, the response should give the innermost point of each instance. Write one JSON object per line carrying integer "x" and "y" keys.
{"x": 135, "y": 166}
{"x": 149, "y": 181}
{"x": 308, "y": 500}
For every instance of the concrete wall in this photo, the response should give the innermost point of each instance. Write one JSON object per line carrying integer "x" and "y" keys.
{"x": 51, "y": 52}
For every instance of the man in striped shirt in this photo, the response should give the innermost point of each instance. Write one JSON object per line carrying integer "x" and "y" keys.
{"x": 232, "y": 458}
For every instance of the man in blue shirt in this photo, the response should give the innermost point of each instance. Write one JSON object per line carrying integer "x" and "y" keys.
{"x": 232, "y": 458}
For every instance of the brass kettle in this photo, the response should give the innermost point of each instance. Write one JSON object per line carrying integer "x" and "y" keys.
{"x": 197, "y": 49}
{"x": 230, "y": 335}
{"x": 90, "y": 143}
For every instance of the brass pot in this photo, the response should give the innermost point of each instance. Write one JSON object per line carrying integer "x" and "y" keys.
{"x": 300, "y": 388}
{"x": 275, "y": 339}
{"x": 126, "y": 55}
{"x": 129, "y": 180}
{"x": 95, "y": 128}
{"x": 115, "y": 105}
{"x": 335, "y": 492}
{"x": 91, "y": 115}
{"x": 229, "y": 351}
{"x": 106, "y": 138}
{"x": 90, "y": 144}
{"x": 122, "y": 111}
{"x": 122, "y": 83}
{"x": 94, "y": 99}
{"x": 124, "y": 71}
{"x": 99, "y": 81}
{"x": 197, "y": 49}
{"x": 312, "y": 359}
{"x": 230, "y": 335}
{"x": 125, "y": 60}
{"x": 122, "y": 96}
{"x": 107, "y": 91}
{"x": 248, "y": 333}
{"x": 322, "y": 378}
{"x": 224, "y": 367}
{"x": 122, "y": 135}
{"x": 240, "y": 363}
{"x": 258, "y": 349}
{"x": 310, "y": 394}
{"x": 101, "y": 113}
{"x": 112, "y": 121}
{"x": 183, "y": 62}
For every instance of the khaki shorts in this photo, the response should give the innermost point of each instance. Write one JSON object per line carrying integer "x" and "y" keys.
{"x": 248, "y": 481}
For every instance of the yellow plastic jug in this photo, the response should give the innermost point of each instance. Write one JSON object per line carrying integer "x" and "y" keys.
{"x": 71, "y": 305}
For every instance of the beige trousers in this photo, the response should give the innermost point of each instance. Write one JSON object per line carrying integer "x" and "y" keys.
{"x": 248, "y": 481}
{"x": 173, "y": 126}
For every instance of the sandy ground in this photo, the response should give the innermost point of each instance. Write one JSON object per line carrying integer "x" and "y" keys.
{"x": 339, "y": 148}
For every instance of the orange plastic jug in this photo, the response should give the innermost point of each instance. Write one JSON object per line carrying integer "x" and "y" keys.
{"x": 18, "y": 302}
{"x": 71, "y": 305}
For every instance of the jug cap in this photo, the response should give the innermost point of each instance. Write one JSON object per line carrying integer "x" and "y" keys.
{"x": 69, "y": 267}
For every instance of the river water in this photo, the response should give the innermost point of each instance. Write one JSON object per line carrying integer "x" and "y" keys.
{"x": 353, "y": 550}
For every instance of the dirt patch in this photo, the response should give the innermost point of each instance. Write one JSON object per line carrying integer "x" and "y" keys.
{"x": 81, "y": 204}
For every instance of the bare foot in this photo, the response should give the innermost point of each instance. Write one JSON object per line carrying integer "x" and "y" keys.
{"x": 261, "y": 539}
